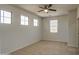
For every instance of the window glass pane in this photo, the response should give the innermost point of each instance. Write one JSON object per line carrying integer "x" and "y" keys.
{"x": 35, "y": 22}
{"x": 1, "y": 20}
{"x": 53, "y": 25}
{"x": 7, "y": 20}
{"x": 22, "y": 21}
{"x": 26, "y": 20}
{"x": 1, "y": 12}
{"x": 22, "y": 17}
{"x": 7, "y": 14}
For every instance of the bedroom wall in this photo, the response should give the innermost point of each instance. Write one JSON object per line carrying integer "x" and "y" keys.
{"x": 66, "y": 29}
{"x": 61, "y": 35}
{"x": 73, "y": 41}
{"x": 15, "y": 36}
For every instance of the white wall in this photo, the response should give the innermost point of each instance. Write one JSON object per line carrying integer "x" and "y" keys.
{"x": 66, "y": 29}
{"x": 15, "y": 36}
{"x": 73, "y": 41}
{"x": 61, "y": 35}
{"x": 77, "y": 12}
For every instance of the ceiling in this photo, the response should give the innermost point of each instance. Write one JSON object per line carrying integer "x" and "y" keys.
{"x": 62, "y": 9}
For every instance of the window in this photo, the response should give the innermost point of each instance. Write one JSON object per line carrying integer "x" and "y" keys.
{"x": 5, "y": 17}
{"x": 35, "y": 22}
{"x": 53, "y": 26}
{"x": 24, "y": 20}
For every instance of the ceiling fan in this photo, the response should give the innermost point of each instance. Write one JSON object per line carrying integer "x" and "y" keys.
{"x": 46, "y": 8}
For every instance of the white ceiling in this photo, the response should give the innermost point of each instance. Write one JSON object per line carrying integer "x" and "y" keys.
{"x": 62, "y": 9}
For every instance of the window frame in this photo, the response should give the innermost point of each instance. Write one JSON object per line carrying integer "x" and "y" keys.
{"x": 6, "y": 17}
{"x": 27, "y": 20}
{"x": 53, "y": 26}
{"x": 35, "y": 22}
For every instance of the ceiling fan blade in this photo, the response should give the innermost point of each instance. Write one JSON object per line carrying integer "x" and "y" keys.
{"x": 52, "y": 9}
{"x": 40, "y": 10}
{"x": 50, "y": 5}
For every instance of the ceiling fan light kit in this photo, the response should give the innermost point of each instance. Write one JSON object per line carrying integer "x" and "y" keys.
{"x": 46, "y": 10}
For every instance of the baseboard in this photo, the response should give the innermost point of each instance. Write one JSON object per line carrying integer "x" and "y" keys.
{"x": 74, "y": 46}
{"x": 56, "y": 41}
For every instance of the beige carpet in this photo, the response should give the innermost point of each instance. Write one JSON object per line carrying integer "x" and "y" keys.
{"x": 47, "y": 48}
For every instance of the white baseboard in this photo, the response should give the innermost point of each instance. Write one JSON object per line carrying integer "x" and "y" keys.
{"x": 72, "y": 45}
